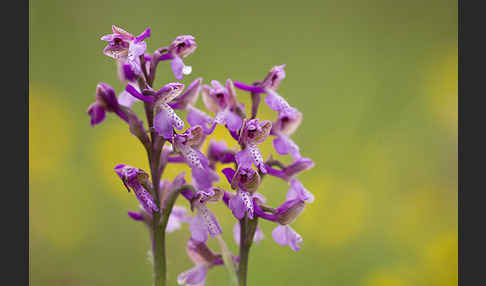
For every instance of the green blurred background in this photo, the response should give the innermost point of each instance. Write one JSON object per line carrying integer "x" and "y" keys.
{"x": 376, "y": 81}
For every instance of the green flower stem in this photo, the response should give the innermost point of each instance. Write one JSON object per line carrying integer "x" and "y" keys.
{"x": 247, "y": 232}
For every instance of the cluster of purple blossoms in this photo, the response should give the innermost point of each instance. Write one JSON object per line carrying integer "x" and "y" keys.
{"x": 246, "y": 166}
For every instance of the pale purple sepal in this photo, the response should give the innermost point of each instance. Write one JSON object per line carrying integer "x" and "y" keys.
{"x": 176, "y": 218}
{"x": 197, "y": 117}
{"x": 298, "y": 191}
{"x": 284, "y": 145}
{"x": 195, "y": 276}
{"x": 189, "y": 96}
{"x": 285, "y": 235}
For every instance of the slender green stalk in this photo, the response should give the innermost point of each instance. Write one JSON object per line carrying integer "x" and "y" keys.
{"x": 227, "y": 259}
{"x": 247, "y": 232}
{"x": 158, "y": 242}
{"x": 158, "y": 230}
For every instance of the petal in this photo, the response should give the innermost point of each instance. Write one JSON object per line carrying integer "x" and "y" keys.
{"x": 163, "y": 125}
{"x": 177, "y": 67}
{"x": 189, "y": 96}
{"x": 121, "y": 32}
{"x": 203, "y": 178}
{"x": 126, "y": 99}
{"x": 136, "y": 49}
{"x": 298, "y": 191}
{"x": 115, "y": 52}
{"x": 145, "y": 34}
{"x": 243, "y": 159}
{"x": 237, "y": 206}
{"x": 193, "y": 277}
{"x": 209, "y": 219}
{"x": 275, "y": 101}
{"x": 97, "y": 113}
{"x": 198, "y": 117}
{"x": 231, "y": 92}
{"x": 173, "y": 224}
{"x": 237, "y": 232}
{"x": 165, "y": 119}
{"x": 294, "y": 238}
{"x": 199, "y": 230}
{"x": 284, "y": 145}
{"x": 285, "y": 235}
{"x": 135, "y": 216}
{"x": 209, "y": 101}
{"x": 247, "y": 201}
{"x": 258, "y": 235}
{"x": 230, "y": 119}
{"x": 229, "y": 173}
{"x": 145, "y": 199}
{"x": 279, "y": 234}
{"x": 298, "y": 166}
{"x": 256, "y": 156}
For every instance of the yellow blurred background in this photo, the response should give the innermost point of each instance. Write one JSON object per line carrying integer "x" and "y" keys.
{"x": 376, "y": 81}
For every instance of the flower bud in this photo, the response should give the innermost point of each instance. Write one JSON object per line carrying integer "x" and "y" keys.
{"x": 273, "y": 78}
{"x": 289, "y": 211}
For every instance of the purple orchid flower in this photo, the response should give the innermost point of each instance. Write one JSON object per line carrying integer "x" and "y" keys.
{"x": 181, "y": 47}
{"x": 256, "y": 238}
{"x": 106, "y": 101}
{"x": 203, "y": 258}
{"x": 297, "y": 197}
{"x": 252, "y": 133}
{"x": 243, "y": 180}
{"x": 125, "y": 47}
{"x": 204, "y": 222}
{"x": 134, "y": 178}
{"x": 185, "y": 144}
{"x": 222, "y": 101}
